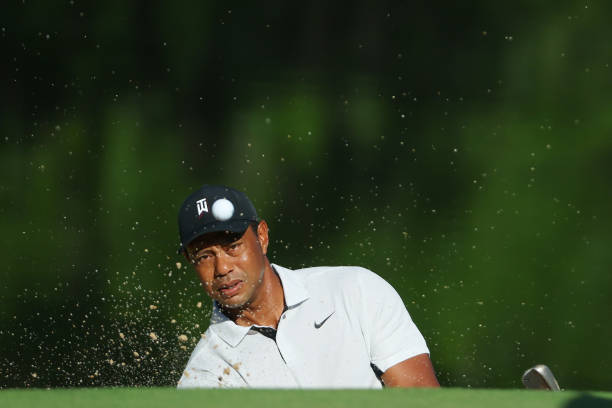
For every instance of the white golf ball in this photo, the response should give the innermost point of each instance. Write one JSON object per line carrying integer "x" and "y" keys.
{"x": 222, "y": 209}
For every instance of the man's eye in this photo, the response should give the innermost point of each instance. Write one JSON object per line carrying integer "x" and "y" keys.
{"x": 201, "y": 258}
{"x": 234, "y": 246}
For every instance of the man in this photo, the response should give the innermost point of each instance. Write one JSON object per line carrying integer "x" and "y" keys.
{"x": 324, "y": 327}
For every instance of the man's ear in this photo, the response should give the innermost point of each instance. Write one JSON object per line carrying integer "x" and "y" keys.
{"x": 262, "y": 235}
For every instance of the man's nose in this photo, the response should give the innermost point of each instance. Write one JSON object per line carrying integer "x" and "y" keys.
{"x": 224, "y": 264}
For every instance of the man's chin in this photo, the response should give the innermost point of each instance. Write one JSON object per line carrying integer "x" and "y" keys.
{"x": 233, "y": 303}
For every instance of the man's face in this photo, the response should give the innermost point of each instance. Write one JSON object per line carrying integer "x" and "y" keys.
{"x": 231, "y": 266}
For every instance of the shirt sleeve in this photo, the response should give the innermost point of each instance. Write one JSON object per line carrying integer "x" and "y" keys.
{"x": 390, "y": 334}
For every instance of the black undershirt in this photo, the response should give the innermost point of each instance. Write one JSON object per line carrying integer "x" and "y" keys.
{"x": 269, "y": 332}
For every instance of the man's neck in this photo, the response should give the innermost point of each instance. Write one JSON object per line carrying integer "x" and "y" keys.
{"x": 267, "y": 306}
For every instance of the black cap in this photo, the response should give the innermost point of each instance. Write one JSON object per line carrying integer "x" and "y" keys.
{"x": 212, "y": 209}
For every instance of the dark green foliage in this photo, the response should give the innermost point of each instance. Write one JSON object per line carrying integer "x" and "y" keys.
{"x": 461, "y": 152}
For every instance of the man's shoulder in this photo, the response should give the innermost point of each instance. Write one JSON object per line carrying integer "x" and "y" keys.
{"x": 335, "y": 277}
{"x": 335, "y": 272}
{"x": 322, "y": 272}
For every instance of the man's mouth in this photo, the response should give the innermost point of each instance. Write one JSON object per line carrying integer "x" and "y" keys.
{"x": 231, "y": 288}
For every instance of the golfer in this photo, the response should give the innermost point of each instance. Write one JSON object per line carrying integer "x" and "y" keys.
{"x": 272, "y": 327}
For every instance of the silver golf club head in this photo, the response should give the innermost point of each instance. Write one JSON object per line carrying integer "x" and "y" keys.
{"x": 540, "y": 378}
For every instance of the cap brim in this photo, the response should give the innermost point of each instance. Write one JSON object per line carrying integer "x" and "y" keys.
{"x": 232, "y": 226}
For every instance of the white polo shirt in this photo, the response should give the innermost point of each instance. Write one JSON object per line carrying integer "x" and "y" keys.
{"x": 338, "y": 321}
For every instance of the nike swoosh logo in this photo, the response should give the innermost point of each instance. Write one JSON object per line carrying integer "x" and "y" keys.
{"x": 318, "y": 326}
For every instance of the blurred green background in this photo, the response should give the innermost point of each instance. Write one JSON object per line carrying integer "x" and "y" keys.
{"x": 462, "y": 152}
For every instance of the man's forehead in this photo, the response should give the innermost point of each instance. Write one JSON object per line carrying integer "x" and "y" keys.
{"x": 215, "y": 238}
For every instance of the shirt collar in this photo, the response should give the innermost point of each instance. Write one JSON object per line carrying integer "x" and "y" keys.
{"x": 294, "y": 288}
{"x": 295, "y": 293}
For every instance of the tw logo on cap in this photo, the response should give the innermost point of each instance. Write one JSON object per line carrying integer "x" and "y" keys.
{"x": 202, "y": 207}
